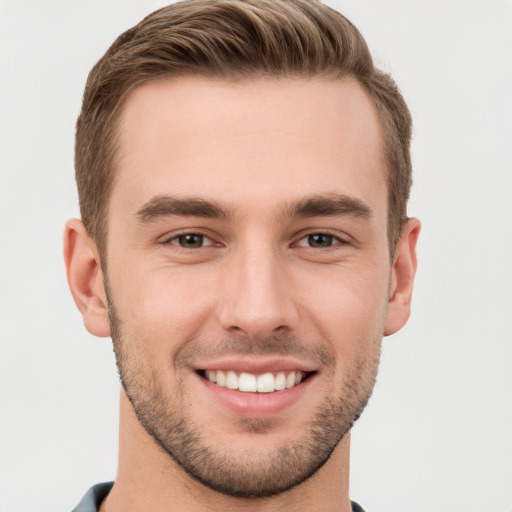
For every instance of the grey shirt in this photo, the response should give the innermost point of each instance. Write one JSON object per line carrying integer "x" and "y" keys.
{"x": 97, "y": 493}
{"x": 93, "y": 497}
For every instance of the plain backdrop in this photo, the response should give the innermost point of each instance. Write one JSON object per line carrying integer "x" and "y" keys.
{"x": 437, "y": 433}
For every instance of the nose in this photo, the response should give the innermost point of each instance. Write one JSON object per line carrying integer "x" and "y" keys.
{"x": 258, "y": 299}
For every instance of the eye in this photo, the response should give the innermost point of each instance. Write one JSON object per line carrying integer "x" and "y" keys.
{"x": 319, "y": 241}
{"x": 191, "y": 240}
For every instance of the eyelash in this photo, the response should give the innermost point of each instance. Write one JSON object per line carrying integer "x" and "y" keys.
{"x": 170, "y": 241}
{"x": 334, "y": 240}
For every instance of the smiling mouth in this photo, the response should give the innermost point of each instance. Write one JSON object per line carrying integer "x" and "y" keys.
{"x": 255, "y": 383}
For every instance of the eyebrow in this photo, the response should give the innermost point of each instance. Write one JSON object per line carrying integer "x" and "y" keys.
{"x": 165, "y": 206}
{"x": 324, "y": 205}
{"x": 329, "y": 205}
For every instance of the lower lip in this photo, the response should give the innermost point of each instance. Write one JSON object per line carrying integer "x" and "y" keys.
{"x": 257, "y": 404}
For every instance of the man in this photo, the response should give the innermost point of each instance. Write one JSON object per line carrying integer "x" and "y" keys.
{"x": 243, "y": 173}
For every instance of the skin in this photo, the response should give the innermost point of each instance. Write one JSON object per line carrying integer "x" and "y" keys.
{"x": 257, "y": 151}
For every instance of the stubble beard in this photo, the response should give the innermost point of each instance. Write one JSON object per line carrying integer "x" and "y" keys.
{"x": 253, "y": 473}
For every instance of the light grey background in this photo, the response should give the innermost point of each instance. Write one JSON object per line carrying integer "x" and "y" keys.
{"x": 437, "y": 434}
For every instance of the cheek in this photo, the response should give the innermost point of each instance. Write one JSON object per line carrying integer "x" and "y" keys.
{"x": 348, "y": 311}
{"x": 164, "y": 305}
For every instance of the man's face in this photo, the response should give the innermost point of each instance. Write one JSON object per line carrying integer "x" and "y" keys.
{"x": 247, "y": 248}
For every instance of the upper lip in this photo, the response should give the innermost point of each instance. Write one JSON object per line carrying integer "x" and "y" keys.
{"x": 257, "y": 366}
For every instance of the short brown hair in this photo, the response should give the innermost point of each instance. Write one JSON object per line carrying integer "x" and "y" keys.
{"x": 233, "y": 39}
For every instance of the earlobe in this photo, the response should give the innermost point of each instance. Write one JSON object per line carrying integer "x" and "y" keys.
{"x": 402, "y": 278}
{"x": 85, "y": 277}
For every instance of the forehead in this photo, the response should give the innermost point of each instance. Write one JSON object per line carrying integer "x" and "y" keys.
{"x": 249, "y": 143}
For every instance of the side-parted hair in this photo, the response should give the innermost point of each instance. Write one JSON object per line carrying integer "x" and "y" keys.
{"x": 235, "y": 40}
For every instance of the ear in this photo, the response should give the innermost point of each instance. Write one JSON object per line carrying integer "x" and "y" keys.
{"x": 402, "y": 278}
{"x": 85, "y": 278}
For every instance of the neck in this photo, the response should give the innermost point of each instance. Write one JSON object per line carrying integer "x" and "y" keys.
{"x": 149, "y": 479}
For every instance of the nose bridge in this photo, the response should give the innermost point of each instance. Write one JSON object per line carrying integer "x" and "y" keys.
{"x": 259, "y": 299}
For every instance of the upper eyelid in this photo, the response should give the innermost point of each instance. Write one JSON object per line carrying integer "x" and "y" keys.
{"x": 340, "y": 237}
{"x": 167, "y": 239}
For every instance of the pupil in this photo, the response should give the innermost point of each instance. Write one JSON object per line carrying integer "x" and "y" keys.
{"x": 320, "y": 240}
{"x": 191, "y": 241}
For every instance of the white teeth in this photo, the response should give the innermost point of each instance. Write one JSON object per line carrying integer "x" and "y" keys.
{"x": 248, "y": 382}
{"x": 265, "y": 383}
{"x": 221, "y": 378}
{"x": 280, "y": 381}
{"x": 290, "y": 380}
{"x": 231, "y": 380}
